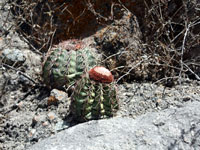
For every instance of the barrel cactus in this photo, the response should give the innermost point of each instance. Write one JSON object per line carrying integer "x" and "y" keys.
{"x": 92, "y": 99}
{"x": 64, "y": 67}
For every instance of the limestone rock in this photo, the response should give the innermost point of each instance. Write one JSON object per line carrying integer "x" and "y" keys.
{"x": 175, "y": 128}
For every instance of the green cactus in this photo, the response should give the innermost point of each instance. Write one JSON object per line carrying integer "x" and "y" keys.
{"x": 63, "y": 67}
{"x": 93, "y": 100}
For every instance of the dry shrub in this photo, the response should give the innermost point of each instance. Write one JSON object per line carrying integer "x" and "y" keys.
{"x": 171, "y": 31}
{"x": 167, "y": 46}
{"x": 46, "y": 22}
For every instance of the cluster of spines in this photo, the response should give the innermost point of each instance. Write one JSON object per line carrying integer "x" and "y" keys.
{"x": 93, "y": 100}
{"x": 64, "y": 67}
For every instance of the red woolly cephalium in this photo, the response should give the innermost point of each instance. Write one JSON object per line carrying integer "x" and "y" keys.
{"x": 101, "y": 74}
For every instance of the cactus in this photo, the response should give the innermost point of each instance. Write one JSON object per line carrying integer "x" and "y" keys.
{"x": 93, "y": 100}
{"x": 63, "y": 67}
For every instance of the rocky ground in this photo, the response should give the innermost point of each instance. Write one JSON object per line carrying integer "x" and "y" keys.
{"x": 27, "y": 115}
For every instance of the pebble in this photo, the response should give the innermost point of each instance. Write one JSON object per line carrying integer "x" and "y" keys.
{"x": 57, "y": 96}
{"x": 20, "y": 147}
{"x": 13, "y": 56}
{"x": 60, "y": 125}
{"x": 51, "y": 116}
{"x": 32, "y": 133}
{"x": 45, "y": 123}
{"x": 38, "y": 119}
{"x": 2, "y": 139}
{"x": 52, "y": 101}
{"x": 2, "y": 116}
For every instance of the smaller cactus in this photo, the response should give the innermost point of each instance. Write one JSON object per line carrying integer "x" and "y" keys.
{"x": 63, "y": 67}
{"x": 93, "y": 100}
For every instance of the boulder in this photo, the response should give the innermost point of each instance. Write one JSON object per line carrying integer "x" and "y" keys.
{"x": 174, "y": 128}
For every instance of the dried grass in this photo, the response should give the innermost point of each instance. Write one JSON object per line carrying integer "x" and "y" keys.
{"x": 170, "y": 30}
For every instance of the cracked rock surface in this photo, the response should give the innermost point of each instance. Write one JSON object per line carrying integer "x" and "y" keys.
{"x": 174, "y": 128}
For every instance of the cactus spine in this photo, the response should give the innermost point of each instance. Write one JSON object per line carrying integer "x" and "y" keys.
{"x": 63, "y": 67}
{"x": 93, "y": 100}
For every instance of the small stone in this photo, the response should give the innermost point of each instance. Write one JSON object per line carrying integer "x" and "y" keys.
{"x": 38, "y": 119}
{"x": 45, "y": 123}
{"x": 2, "y": 139}
{"x": 52, "y": 101}
{"x": 57, "y": 96}
{"x": 20, "y": 147}
{"x": 60, "y": 125}
{"x": 13, "y": 56}
{"x": 51, "y": 116}
{"x": 32, "y": 133}
{"x": 158, "y": 101}
{"x": 1, "y": 116}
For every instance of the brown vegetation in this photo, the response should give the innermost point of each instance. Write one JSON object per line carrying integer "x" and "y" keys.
{"x": 169, "y": 35}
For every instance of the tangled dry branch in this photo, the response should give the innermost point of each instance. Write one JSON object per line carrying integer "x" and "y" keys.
{"x": 170, "y": 30}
